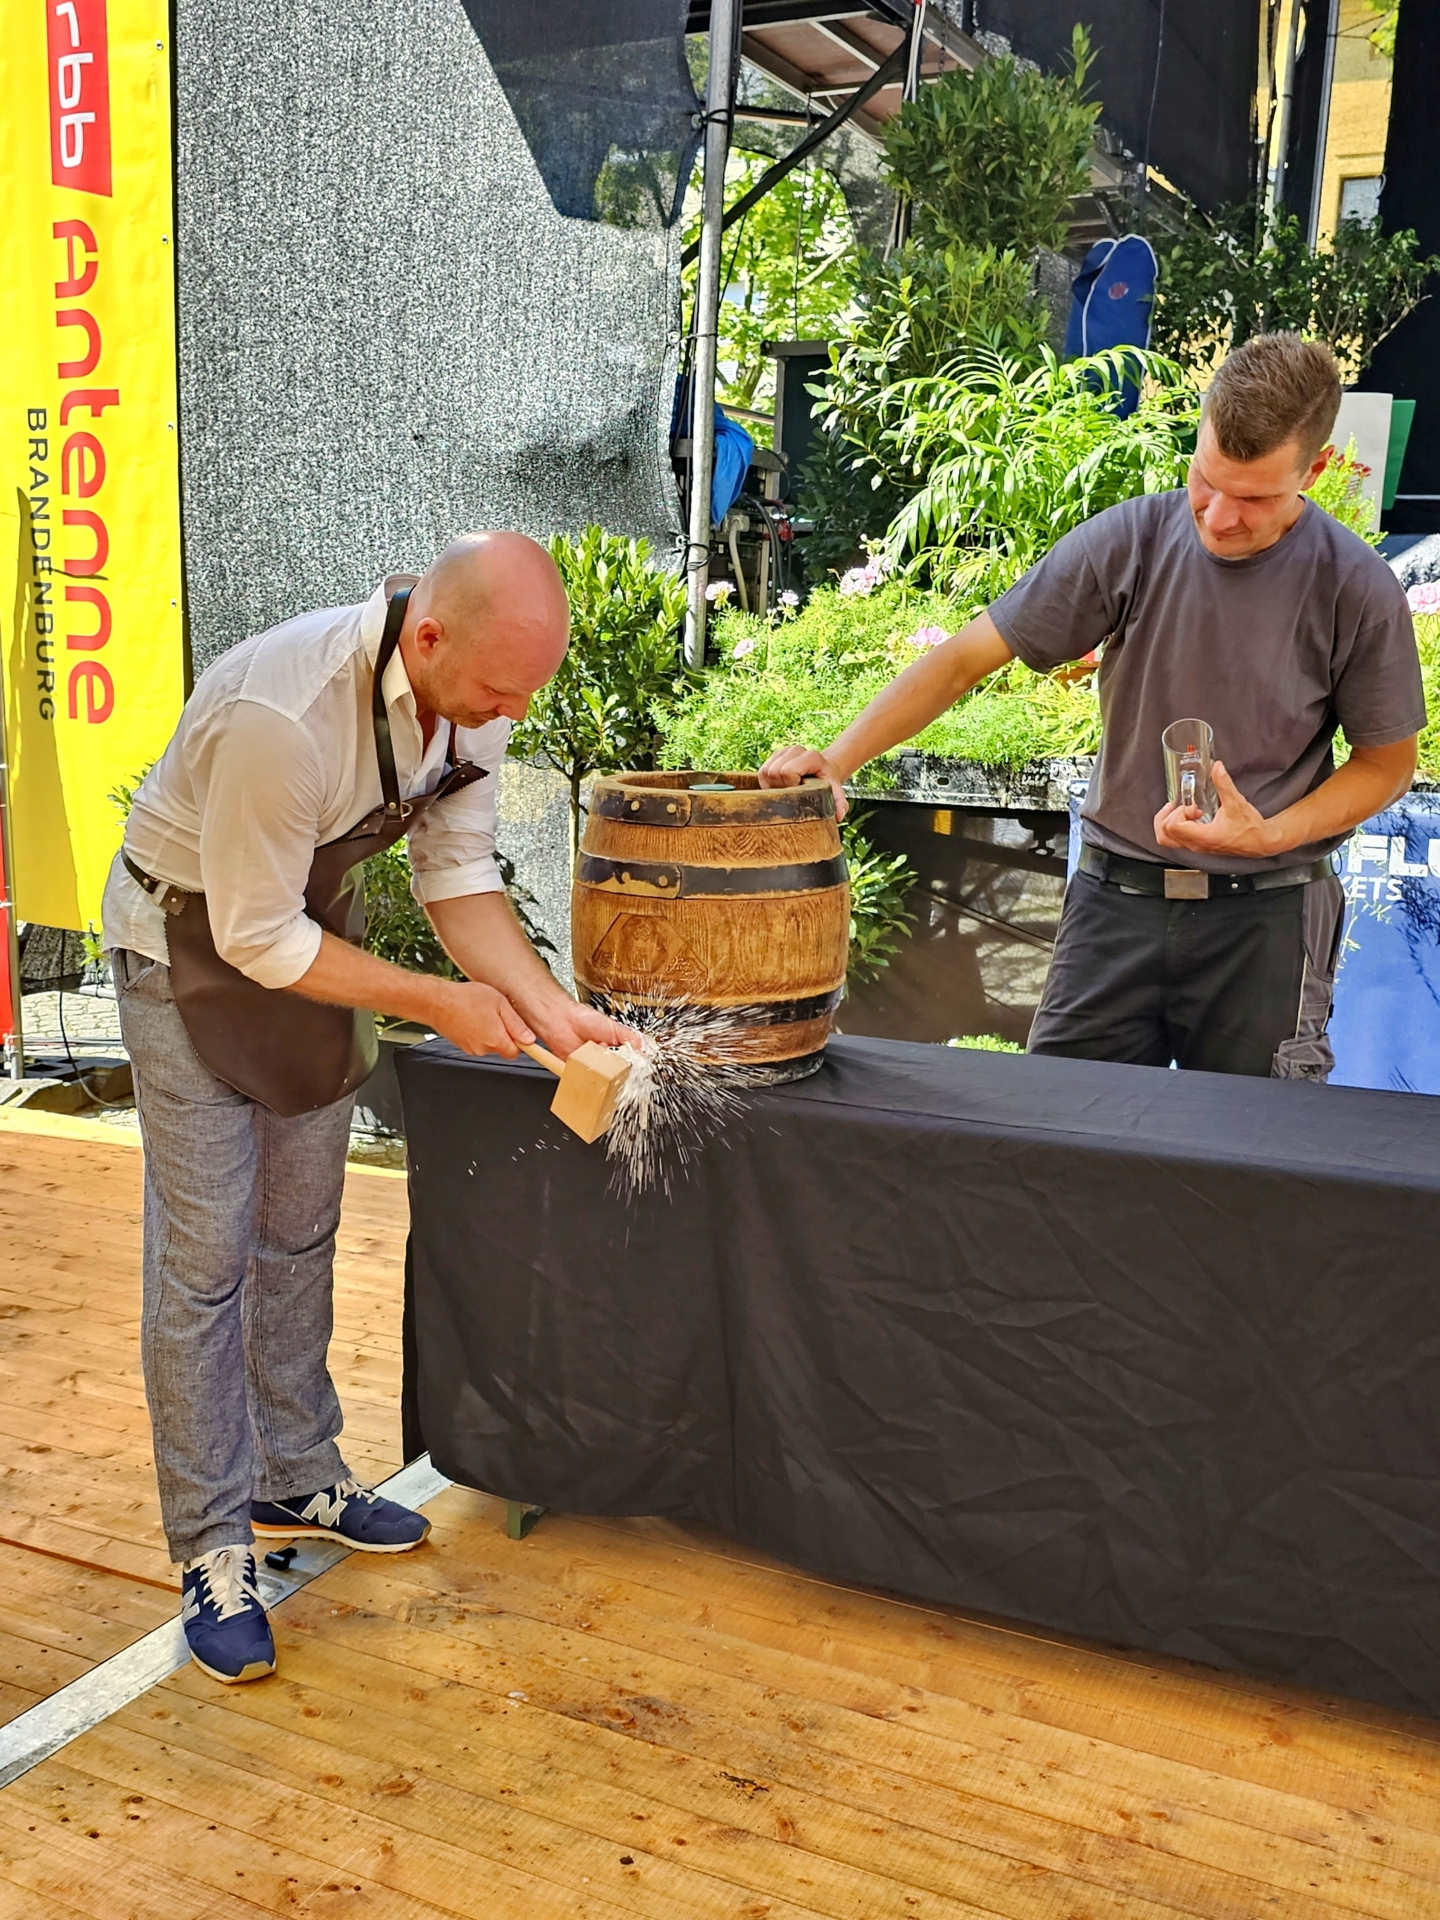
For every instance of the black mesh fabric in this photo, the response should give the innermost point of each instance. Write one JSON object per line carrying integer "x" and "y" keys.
{"x": 1176, "y": 81}
{"x": 603, "y": 97}
{"x": 387, "y": 332}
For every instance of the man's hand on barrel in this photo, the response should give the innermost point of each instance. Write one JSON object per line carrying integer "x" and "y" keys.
{"x": 789, "y": 765}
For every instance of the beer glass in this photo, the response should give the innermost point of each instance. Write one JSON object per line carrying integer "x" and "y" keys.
{"x": 1189, "y": 748}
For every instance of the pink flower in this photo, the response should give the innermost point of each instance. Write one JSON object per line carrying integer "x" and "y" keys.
{"x": 742, "y": 647}
{"x": 864, "y": 579}
{"x": 1424, "y": 598}
{"x": 789, "y": 598}
{"x": 927, "y": 637}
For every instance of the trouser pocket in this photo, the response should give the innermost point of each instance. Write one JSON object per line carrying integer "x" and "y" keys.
{"x": 1307, "y": 1054}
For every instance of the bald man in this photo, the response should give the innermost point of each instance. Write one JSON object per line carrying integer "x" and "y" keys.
{"x": 279, "y": 752}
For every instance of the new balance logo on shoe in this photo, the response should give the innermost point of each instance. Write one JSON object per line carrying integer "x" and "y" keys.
{"x": 348, "y": 1512}
{"x": 325, "y": 1509}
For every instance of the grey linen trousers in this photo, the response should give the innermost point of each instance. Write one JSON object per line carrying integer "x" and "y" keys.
{"x": 241, "y": 1209}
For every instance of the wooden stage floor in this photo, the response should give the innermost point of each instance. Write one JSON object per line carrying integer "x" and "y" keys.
{"x": 611, "y": 1717}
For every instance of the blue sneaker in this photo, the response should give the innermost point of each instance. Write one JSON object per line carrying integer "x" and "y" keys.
{"x": 225, "y": 1624}
{"x": 356, "y": 1515}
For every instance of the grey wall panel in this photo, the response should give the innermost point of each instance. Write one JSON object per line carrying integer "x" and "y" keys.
{"x": 387, "y": 333}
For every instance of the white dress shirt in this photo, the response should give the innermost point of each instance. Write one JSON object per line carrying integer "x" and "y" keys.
{"x": 274, "y": 755}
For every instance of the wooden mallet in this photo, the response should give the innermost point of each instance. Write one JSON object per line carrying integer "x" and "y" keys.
{"x": 590, "y": 1084}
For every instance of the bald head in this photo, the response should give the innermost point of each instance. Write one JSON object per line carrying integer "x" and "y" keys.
{"x": 486, "y": 627}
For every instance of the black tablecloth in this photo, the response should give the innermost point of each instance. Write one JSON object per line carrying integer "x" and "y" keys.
{"x": 1150, "y": 1357}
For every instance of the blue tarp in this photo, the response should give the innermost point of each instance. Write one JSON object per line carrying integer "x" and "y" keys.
{"x": 1386, "y": 1026}
{"x": 734, "y": 450}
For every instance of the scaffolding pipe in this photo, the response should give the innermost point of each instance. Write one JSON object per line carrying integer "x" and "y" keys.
{"x": 900, "y": 225}
{"x": 12, "y": 1038}
{"x": 1322, "y": 132}
{"x": 1287, "y": 103}
{"x": 719, "y": 102}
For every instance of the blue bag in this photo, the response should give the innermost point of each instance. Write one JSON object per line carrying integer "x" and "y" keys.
{"x": 1110, "y": 304}
{"x": 734, "y": 450}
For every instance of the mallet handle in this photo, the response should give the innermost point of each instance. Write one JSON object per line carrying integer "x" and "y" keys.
{"x": 543, "y": 1057}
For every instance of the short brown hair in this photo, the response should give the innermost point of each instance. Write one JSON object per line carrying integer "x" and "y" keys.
{"x": 1274, "y": 388}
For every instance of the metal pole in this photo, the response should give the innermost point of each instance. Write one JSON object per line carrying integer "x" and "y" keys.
{"x": 719, "y": 89}
{"x": 900, "y": 225}
{"x": 882, "y": 77}
{"x": 1322, "y": 131}
{"x": 1287, "y": 101}
{"x": 13, "y": 1041}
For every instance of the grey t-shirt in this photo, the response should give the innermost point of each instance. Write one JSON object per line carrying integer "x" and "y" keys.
{"x": 1274, "y": 651}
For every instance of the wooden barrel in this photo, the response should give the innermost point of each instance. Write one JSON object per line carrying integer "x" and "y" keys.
{"x": 737, "y": 900}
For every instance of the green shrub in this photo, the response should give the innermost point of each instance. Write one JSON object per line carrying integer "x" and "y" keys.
{"x": 850, "y": 503}
{"x": 1338, "y": 492}
{"x": 994, "y": 156}
{"x": 1427, "y": 635}
{"x": 802, "y": 679}
{"x": 1015, "y": 718}
{"x": 790, "y": 274}
{"x": 984, "y": 1043}
{"x": 989, "y": 162}
{"x": 1225, "y": 278}
{"x": 606, "y": 706}
{"x": 1011, "y": 458}
{"x": 880, "y": 885}
{"x": 806, "y": 679}
{"x": 922, "y": 309}
{"x": 398, "y": 929}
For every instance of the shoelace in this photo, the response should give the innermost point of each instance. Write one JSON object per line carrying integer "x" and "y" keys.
{"x": 228, "y": 1578}
{"x": 352, "y": 1490}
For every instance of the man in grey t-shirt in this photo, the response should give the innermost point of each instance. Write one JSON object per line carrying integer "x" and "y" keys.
{"x": 1211, "y": 943}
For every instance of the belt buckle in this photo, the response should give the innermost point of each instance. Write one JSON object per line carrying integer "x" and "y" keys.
{"x": 1186, "y": 883}
{"x": 171, "y": 899}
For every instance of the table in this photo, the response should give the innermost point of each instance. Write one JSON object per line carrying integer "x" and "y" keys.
{"x": 1143, "y": 1356}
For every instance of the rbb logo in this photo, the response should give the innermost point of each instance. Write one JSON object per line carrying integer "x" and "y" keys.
{"x": 79, "y": 94}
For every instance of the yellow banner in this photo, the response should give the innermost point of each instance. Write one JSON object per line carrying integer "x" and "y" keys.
{"x": 91, "y": 637}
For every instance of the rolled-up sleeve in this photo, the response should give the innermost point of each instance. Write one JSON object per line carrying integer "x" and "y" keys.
{"x": 452, "y": 850}
{"x": 258, "y": 787}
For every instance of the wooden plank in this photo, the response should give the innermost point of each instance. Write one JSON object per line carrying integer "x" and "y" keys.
{"x": 86, "y": 1637}
{"x": 76, "y": 1476}
{"x": 1058, "y": 1652}
{"x": 17, "y": 1904}
{"x": 1194, "y": 1715}
{"x": 981, "y": 1842}
{"x": 429, "y": 1727}
{"x": 525, "y": 1860}
{"x": 278, "y": 1849}
{"x": 1379, "y": 1772}
{"x": 42, "y": 1585}
{"x": 818, "y": 1847}
{"x": 1097, "y": 1785}
{"x": 84, "y": 1547}
{"x": 430, "y": 1789}
{"x": 92, "y": 1877}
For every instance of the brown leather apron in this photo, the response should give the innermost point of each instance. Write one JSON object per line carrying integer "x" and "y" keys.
{"x": 291, "y": 1054}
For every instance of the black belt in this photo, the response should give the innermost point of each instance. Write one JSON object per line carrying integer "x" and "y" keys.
{"x": 1188, "y": 883}
{"x": 171, "y": 898}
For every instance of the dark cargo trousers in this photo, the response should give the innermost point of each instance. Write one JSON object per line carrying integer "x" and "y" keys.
{"x": 1239, "y": 984}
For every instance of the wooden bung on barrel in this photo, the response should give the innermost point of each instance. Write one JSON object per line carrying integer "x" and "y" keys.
{"x": 731, "y": 898}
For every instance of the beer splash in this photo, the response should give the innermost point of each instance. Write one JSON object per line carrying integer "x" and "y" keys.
{"x": 687, "y": 1081}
